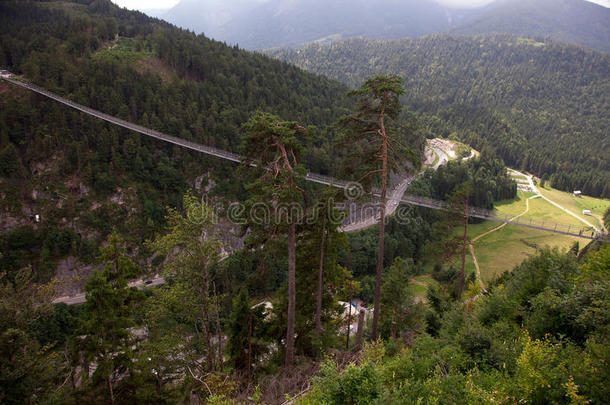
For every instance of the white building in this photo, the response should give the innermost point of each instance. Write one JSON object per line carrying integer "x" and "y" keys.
{"x": 5, "y": 74}
{"x": 586, "y": 212}
{"x": 577, "y": 193}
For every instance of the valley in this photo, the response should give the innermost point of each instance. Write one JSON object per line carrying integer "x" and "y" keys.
{"x": 409, "y": 205}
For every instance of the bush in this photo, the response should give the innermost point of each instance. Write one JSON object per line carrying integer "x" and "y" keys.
{"x": 355, "y": 385}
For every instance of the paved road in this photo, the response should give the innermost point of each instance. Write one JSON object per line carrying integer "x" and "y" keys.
{"x": 392, "y": 204}
{"x": 81, "y": 298}
{"x": 395, "y": 198}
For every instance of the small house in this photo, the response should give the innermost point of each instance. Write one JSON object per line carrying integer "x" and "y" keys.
{"x": 577, "y": 193}
{"x": 5, "y": 74}
{"x": 586, "y": 212}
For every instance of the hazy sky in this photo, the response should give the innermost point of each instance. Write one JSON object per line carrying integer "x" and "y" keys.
{"x": 150, "y": 4}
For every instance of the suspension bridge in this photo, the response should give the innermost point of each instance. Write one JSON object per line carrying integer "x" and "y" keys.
{"x": 570, "y": 230}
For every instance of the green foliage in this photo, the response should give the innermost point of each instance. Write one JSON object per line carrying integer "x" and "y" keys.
{"x": 10, "y": 164}
{"x": 371, "y": 136}
{"x": 104, "y": 337}
{"x": 29, "y": 369}
{"x": 397, "y": 303}
{"x": 487, "y": 175}
{"x": 124, "y": 50}
{"x": 353, "y": 385}
{"x": 40, "y": 248}
{"x": 191, "y": 251}
{"x": 535, "y": 338}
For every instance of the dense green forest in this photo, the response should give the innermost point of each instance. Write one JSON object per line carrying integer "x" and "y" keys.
{"x": 543, "y": 106}
{"x": 79, "y": 173}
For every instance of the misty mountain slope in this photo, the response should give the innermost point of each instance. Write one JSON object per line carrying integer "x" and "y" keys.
{"x": 277, "y": 23}
{"x": 575, "y": 21}
{"x": 544, "y": 106}
{"x": 289, "y": 23}
{"x": 204, "y": 16}
{"x": 281, "y": 23}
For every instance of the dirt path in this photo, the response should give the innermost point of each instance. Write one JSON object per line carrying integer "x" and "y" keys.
{"x": 474, "y": 257}
{"x": 569, "y": 212}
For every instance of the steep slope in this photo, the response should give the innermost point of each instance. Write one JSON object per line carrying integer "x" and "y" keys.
{"x": 574, "y": 21}
{"x": 84, "y": 178}
{"x": 544, "y": 106}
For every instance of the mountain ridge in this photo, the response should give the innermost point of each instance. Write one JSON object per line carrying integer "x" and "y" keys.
{"x": 293, "y": 23}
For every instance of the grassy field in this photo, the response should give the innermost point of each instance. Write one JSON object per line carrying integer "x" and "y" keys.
{"x": 577, "y": 204}
{"x": 509, "y": 246}
{"x": 514, "y": 207}
{"x": 517, "y": 177}
{"x": 504, "y": 249}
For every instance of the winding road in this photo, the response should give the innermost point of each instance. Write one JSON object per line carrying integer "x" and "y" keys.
{"x": 434, "y": 149}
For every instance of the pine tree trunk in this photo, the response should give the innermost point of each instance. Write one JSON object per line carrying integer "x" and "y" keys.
{"x": 384, "y": 180}
{"x": 360, "y": 330}
{"x": 218, "y": 329}
{"x": 110, "y": 390}
{"x": 205, "y": 312}
{"x": 349, "y": 322}
{"x": 320, "y": 282}
{"x": 290, "y": 318}
{"x": 464, "y": 243}
{"x": 250, "y": 346}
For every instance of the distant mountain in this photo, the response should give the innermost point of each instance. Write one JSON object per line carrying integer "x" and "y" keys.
{"x": 295, "y": 22}
{"x": 575, "y": 21}
{"x": 204, "y": 16}
{"x": 292, "y": 23}
{"x": 543, "y": 105}
{"x": 277, "y": 23}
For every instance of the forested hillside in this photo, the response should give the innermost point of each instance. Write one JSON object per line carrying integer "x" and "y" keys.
{"x": 543, "y": 106}
{"x": 574, "y": 21}
{"x": 84, "y": 177}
